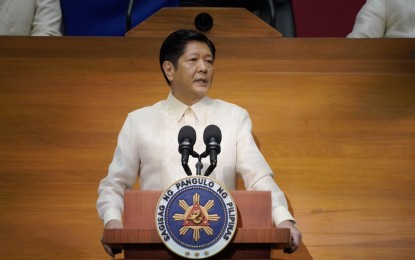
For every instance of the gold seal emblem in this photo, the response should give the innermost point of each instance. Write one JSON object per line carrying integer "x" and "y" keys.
{"x": 196, "y": 217}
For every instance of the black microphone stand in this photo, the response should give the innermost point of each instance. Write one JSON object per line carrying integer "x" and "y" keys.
{"x": 129, "y": 14}
{"x": 199, "y": 165}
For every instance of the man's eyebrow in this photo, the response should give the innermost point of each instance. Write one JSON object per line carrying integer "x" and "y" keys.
{"x": 198, "y": 54}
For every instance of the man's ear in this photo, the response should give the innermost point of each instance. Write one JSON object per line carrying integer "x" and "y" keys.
{"x": 168, "y": 69}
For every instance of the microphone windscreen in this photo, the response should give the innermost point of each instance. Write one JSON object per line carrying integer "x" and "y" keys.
{"x": 212, "y": 131}
{"x": 187, "y": 132}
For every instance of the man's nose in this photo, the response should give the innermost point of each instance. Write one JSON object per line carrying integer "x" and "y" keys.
{"x": 202, "y": 66}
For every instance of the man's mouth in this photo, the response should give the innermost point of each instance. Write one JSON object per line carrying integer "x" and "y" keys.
{"x": 201, "y": 80}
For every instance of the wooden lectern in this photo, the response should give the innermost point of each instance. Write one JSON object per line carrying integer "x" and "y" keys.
{"x": 255, "y": 237}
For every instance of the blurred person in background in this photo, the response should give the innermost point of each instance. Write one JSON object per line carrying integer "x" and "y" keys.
{"x": 385, "y": 19}
{"x": 30, "y": 17}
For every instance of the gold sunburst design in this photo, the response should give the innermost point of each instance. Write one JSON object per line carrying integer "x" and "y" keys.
{"x": 196, "y": 217}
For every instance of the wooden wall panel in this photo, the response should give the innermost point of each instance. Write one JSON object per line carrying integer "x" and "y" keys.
{"x": 335, "y": 118}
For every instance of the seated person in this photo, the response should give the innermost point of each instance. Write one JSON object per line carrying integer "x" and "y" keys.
{"x": 385, "y": 19}
{"x": 30, "y": 17}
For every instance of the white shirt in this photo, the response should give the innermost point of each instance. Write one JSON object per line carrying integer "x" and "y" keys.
{"x": 385, "y": 19}
{"x": 30, "y": 17}
{"x": 148, "y": 147}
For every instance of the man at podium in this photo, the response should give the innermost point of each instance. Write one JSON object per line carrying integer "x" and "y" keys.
{"x": 147, "y": 143}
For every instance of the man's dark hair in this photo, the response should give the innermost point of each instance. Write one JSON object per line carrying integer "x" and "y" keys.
{"x": 174, "y": 46}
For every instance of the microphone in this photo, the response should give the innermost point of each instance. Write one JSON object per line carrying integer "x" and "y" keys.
{"x": 186, "y": 138}
{"x": 212, "y": 137}
{"x": 203, "y": 22}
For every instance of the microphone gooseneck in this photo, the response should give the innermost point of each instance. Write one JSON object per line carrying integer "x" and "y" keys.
{"x": 186, "y": 139}
{"x": 212, "y": 137}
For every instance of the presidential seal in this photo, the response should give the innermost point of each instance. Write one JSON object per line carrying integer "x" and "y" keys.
{"x": 196, "y": 217}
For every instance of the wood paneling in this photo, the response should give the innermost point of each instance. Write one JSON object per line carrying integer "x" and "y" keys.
{"x": 335, "y": 119}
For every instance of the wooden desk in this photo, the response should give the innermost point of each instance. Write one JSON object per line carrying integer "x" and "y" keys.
{"x": 335, "y": 119}
{"x": 227, "y": 23}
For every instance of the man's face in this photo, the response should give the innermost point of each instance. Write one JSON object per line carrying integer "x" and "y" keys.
{"x": 192, "y": 78}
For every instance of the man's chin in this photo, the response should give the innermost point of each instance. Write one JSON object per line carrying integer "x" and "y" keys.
{"x": 201, "y": 90}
